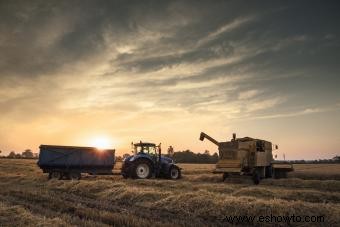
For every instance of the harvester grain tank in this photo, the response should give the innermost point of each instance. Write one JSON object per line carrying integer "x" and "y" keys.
{"x": 70, "y": 161}
{"x": 147, "y": 161}
{"x": 247, "y": 156}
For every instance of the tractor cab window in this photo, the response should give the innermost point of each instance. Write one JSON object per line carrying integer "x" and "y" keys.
{"x": 259, "y": 146}
{"x": 145, "y": 149}
{"x": 139, "y": 149}
{"x": 152, "y": 151}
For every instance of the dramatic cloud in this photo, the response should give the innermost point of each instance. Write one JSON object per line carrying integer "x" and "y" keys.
{"x": 130, "y": 68}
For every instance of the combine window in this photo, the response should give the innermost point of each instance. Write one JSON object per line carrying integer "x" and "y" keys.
{"x": 259, "y": 146}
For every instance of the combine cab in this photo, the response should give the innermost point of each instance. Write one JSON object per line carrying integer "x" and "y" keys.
{"x": 148, "y": 161}
{"x": 247, "y": 156}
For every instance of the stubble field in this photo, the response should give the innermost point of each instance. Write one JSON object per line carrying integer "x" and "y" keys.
{"x": 200, "y": 198}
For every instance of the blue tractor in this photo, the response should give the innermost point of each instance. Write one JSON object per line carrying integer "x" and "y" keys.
{"x": 147, "y": 161}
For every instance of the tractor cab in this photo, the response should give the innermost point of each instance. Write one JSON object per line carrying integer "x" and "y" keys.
{"x": 147, "y": 161}
{"x": 146, "y": 148}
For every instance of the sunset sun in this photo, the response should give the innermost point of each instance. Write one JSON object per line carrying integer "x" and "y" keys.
{"x": 101, "y": 142}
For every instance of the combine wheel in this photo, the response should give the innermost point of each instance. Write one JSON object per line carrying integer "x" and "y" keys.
{"x": 278, "y": 174}
{"x": 174, "y": 173}
{"x": 268, "y": 171}
{"x": 256, "y": 177}
{"x": 142, "y": 169}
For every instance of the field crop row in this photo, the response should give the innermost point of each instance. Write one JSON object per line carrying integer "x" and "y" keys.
{"x": 200, "y": 198}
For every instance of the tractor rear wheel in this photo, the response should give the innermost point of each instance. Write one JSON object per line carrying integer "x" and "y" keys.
{"x": 174, "y": 173}
{"x": 142, "y": 169}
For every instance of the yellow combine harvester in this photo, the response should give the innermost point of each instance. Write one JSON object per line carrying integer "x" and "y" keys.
{"x": 248, "y": 156}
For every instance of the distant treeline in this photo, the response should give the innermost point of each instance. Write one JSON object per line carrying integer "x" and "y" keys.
{"x": 336, "y": 159}
{"x": 188, "y": 156}
{"x": 27, "y": 154}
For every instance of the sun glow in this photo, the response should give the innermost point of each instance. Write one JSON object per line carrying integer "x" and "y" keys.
{"x": 101, "y": 142}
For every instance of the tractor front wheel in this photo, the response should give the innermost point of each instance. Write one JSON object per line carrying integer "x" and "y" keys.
{"x": 174, "y": 173}
{"x": 142, "y": 169}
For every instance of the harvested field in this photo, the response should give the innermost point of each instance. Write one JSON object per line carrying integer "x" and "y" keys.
{"x": 27, "y": 198}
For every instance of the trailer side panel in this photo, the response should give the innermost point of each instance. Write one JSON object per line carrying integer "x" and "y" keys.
{"x": 82, "y": 159}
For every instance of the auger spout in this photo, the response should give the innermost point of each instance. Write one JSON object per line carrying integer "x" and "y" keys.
{"x": 203, "y": 135}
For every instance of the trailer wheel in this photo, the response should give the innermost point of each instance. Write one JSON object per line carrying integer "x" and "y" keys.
{"x": 54, "y": 175}
{"x": 256, "y": 177}
{"x": 141, "y": 169}
{"x": 174, "y": 173}
{"x": 125, "y": 176}
{"x": 74, "y": 175}
{"x": 225, "y": 176}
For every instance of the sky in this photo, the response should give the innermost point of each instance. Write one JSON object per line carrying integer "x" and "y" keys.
{"x": 74, "y": 72}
